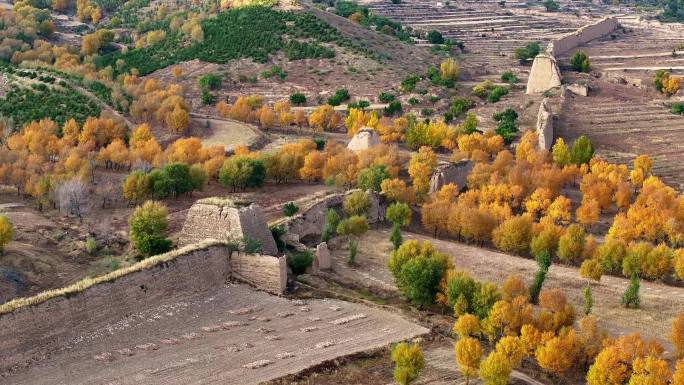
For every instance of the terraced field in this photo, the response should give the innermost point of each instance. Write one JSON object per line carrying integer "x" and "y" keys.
{"x": 236, "y": 336}
{"x": 637, "y": 50}
{"x": 623, "y": 123}
{"x": 490, "y": 33}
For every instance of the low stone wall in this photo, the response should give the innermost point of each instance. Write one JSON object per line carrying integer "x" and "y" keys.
{"x": 33, "y": 332}
{"x": 583, "y": 35}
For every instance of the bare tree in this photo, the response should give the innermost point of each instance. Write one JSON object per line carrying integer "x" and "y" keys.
{"x": 74, "y": 198}
{"x": 108, "y": 192}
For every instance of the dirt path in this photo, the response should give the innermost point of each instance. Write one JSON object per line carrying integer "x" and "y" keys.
{"x": 660, "y": 303}
{"x": 236, "y": 336}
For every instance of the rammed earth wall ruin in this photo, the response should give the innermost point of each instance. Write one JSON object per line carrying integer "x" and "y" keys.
{"x": 544, "y": 74}
{"x": 33, "y": 332}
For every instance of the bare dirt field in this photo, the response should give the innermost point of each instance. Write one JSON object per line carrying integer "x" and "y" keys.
{"x": 225, "y": 132}
{"x": 236, "y": 336}
{"x": 660, "y": 303}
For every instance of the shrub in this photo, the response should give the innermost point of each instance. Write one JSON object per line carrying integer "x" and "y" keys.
{"x": 341, "y": 95}
{"x": 6, "y": 232}
{"x": 298, "y": 99}
{"x": 251, "y": 245}
{"x": 386, "y": 97}
{"x": 355, "y": 225}
{"x": 353, "y": 246}
{"x": 509, "y": 77}
{"x": 290, "y": 209}
{"x": 527, "y": 52}
{"x": 496, "y": 94}
{"x": 579, "y": 62}
{"x": 678, "y": 108}
{"x": 90, "y": 245}
{"x": 409, "y": 83}
{"x": 435, "y": 37}
{"x": 393, "y": 108}
{"x": 277, "y": 232}
{"x": 460, "y": 105}
{"x": 299, "y": 262}
{"x": 147, "y": 225}
{"x": 210, "y": 82}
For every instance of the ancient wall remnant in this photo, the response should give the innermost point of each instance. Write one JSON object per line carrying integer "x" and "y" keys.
{"x": 447, "y": 172}
{"x": 545, "y": 125}
{"x": 32, "y": 332}
{"x": 544, "y": 74}
{"x": 583, "y": 35}
{"x": 310, "y": 223}
{"x": 226, "y": 220}
{"x": 364, "y": 139}
{"x": 263, "y": 271}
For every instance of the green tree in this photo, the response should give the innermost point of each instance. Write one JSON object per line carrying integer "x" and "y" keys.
{"x": 332, "y": 218}
{"x": 147, "y": 226}
{"x": 561, "y": 153}
{"x": 551, "y": 5}
{"x": 160, "y": 184}
{"x": 579, "y": 62}
{"x": 571, "y": 244}
{"x": 198, "y": 177}
{"x": 395, "y": 236}
{"x": 353, "y": 227}
{"x": 588, "y": 299}
{"x": 582, "y": 150}
{"x": 631, "y": 296}
{"x": 417, "y": 270}
{"x": 178, "y": 175}
{"x": 371, "y": 177}
{"x": 6, "y": 232}
{"x": 240, "y": 172}
{"x": 543, "y": 263}
{"x": 400, "y": 215}
{"x": 408, "y": 362}
{"x": 496, "y": 369}
{"x": 356, "y": 203}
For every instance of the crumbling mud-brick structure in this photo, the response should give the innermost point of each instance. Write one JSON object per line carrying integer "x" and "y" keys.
{"x": 545, "y": 74}
{"x": 226, "y": 220}
{"x": 544, "y": 127}
{"x": 364, "y": 139}
{"x": 454, "y": 173}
